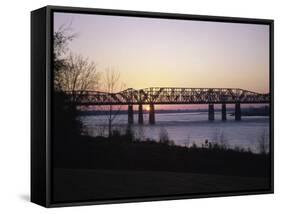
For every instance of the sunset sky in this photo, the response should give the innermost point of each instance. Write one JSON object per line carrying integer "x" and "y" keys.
{"x": 173, "y": 53}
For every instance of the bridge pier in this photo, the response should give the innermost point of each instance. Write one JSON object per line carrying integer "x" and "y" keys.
{"x": 237, "y": 111}
{"x": 223, "y": 111}
{"x": 140, "y": 114}
{"x": 151, "y": 114}
{"x": 130, "y": 114}
{"x": 211, "y": 112}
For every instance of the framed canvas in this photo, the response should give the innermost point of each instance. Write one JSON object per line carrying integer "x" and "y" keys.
{"x": 137, "y": 106}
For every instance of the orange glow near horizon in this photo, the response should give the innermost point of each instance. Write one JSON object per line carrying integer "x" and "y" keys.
{"x": 147, "y": 108}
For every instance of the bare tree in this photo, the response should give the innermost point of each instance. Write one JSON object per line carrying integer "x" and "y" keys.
{"x": 112, "y": 85}
{"x": 61, "y": 38}
{"x": 72, "y": 72}
{"x": 79, "y": 74}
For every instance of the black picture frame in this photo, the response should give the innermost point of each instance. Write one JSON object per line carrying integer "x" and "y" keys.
{"x": 41, "y": 100}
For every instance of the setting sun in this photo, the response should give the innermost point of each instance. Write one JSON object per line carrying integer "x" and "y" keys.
{"x": 147, "y": 108}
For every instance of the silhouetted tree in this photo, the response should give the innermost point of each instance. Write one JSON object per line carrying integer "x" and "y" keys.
{"x": 72, "y": 72}
{"x": 78, "y": 74}
{"x": 112, "y": 84}
{"x": 61, "y": 38}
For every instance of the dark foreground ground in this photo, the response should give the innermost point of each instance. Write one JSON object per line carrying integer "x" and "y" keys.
{"x": 99, "y": 168}
{"x": 89, "y": 184}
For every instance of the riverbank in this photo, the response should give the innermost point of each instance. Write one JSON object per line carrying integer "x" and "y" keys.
{"x": 122, "y": 152}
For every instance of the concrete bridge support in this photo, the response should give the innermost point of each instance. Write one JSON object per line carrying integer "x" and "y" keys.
{"x": 211, "y": 112}
{"x": 140, "y": 114}
{"x": 223, "y": 111}
{"x": 151, "y": 114}
{"x": 237, "y": 111}
{"x": 130, "y": 114}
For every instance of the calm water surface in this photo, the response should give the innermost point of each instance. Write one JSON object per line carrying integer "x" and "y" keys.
{"x": 188, "y": 128}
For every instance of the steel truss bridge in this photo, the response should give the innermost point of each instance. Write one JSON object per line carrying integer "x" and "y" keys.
{"x": 168, "y": 95}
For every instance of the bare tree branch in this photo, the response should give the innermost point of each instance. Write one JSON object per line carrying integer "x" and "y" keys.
{"x": 79, "y": 74}
{"x": 112, "y": 85}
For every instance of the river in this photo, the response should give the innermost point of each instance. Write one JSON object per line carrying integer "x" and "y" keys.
{"x": 190, "y": 128}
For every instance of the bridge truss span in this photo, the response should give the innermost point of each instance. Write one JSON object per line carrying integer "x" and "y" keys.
{"x": 165, "y": 95}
